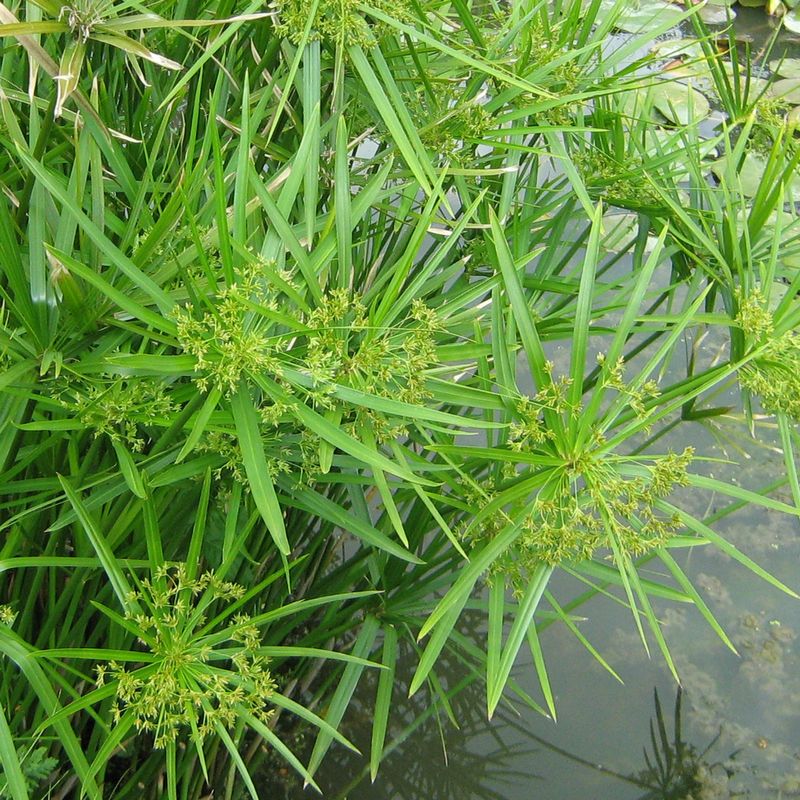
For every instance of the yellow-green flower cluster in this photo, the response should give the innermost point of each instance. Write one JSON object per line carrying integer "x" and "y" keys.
{"x": 614, "y": 378}
{"x": 452, "y": 135}
{"x": 225, "y": 342}
{"x": 7, "y": 615}
{"x": 770, "y": 114}
{"x": 389, "y": 362}
{"x": 753, "y": 316}
{"x": 622, "y": 183}
{"x": 119, "y": 408}
{"x": 182, "y": 689}
{"x": 587, "y": 500}
{"x": 528, "y": 430}
{"x": 337, "y": 22}
{"x": 571, "y": 525}
{"x": 774, "y": 375}
{"x": 558, "y": 532}
{"x": 227, "y": 446}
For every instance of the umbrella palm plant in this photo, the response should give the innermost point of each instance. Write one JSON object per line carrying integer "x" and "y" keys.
{"x": 283, "y": 372}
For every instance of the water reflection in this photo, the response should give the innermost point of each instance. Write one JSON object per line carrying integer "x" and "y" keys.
{"x": 671, "y": 768}
{"x": 436, "y": 750}
{"x": 674, "y": 768}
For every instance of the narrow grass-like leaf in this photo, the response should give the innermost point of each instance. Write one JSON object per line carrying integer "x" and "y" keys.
{"x": 236, "y": 757}
{"x": 112, "y": 568}
{"x": 523, "y": 316}
{"x": 686, "y": 585}
{"x": 13, "y": 777}
{"x": 281, "y": 701}
{"x": 129, "y": 469}
{"x": 199, "y": 529}
{"x": 336, "y": 436}
{"x": 311, "y": 104}
{"x": 172, "y": 770}
{"x": 479, "y": 563}
{"x": 256, "y": 467}
{"x": 384, "y": 489}
{"x": 288, "y": 239}
{"x": 344, "y": 691}
{"x": 496, "y": 623}
{"x": 583, "y": 310}
{"x": 537, "y": 654}
{"x": 785, "y": 428}
{"x": 565, "y": 618}
{"x": 739, "y": 493}
{"x": 344, "y": 223}
{"x": 390, "y": 118}
{"x": 441, "y": 633}
{"x": 383, "y": 699}
{"x": 17, "y": 651}
{"x": 725, "y": 546}
{"x": 152, "y": 534}
{"x": 319, "y": 505}
{"x": 522, "y": 622}
{"x": 69, "y": 71}
{"x": 114, "y": 254}
{"x": 271, "y": 738}
{"x": 200, "y": 423}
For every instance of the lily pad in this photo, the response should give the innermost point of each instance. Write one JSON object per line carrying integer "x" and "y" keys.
{"x": 679, "y": 102}
{"x": 666, "y": 101}
{"x": 786, "y": 68}
{"x": 619, "y": 229}
{"x": 751, "y": 174}
{"x": 791, "y": 21}
{"x": 787, "y": 90}
{"x": 643, "y": 16}
{"x": 757, "y": 85}
{"x": 686, "y": 47}
{"x": 716, "y": 15}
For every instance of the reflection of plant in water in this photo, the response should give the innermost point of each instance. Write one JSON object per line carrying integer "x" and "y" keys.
{"x": 676, "y": 770}
{"x": 426, "y": 755}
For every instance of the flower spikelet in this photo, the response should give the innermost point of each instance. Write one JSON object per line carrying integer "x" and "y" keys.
{"x": 7, "y": 615}
{"x": 773, "y": 375}
{"x": 189, "y": 685}
{"x": 120, "y": 408}
{"x": 338, "y": 22}
{"x": 225, "y": 342}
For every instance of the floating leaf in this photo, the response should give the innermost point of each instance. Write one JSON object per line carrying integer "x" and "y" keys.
{"x": 785, "y": 67}
{"x": 642, "y": 18}
{"x": 787, "y": 89}
{"x": 679, "y": 102}
{"x": 751, "y": 173}
{"x": 791, "y": 21}
{"x": 716, "y": 15}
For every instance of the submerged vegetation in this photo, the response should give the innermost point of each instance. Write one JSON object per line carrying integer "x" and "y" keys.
{"x": 329, "y": 324}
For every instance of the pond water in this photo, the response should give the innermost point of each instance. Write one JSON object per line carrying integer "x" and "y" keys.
{"x": 731, "y": 731}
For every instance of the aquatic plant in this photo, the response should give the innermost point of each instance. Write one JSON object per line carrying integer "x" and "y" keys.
{"x": 368, "y": 319}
